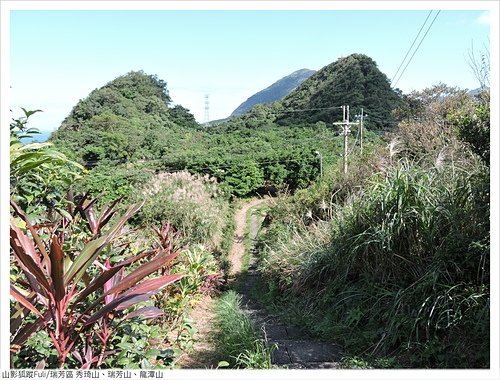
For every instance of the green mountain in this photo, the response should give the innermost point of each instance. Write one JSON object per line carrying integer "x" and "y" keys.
{"x": 355, "y": 81}
{"x": 130, "y": 117}
{"x": 274, "y": 92}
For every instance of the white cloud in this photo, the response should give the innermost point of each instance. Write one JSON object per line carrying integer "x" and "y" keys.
{"x": 484, "y": 18}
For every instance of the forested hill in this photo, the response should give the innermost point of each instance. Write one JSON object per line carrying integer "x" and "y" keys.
{"x": 274, "y": 92}
{"x": 130, "y": 117}
{"x": 131, "y": 121}
{"x": 354, "y": 80}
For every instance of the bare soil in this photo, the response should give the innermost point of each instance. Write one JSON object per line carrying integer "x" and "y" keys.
{"x": 238, "y": 249}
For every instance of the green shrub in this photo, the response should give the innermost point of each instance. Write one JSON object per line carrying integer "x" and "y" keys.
{"x": 193, "y": 204}
{"x": 401, "y": 267}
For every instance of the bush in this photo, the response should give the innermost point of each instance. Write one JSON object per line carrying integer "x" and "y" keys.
{"x": 402, "y": 267}
{"x": 193, "y": 204}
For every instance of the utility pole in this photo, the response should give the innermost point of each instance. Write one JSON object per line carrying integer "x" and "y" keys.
{"x": 207, "y": 107}
{"x": 345, "y": 132}
{"x": 346, "y": 129}
{"x": 361, "y": 131}
{"x": 320, "y": 163}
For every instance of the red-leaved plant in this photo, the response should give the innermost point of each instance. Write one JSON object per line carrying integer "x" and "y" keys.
{"x": 59, "y": 289}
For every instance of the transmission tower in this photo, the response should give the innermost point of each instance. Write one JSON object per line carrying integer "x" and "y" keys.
{"x": 207, "y": 107}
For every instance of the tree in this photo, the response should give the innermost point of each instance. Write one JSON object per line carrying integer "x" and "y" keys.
{"x": 355, "y": 81}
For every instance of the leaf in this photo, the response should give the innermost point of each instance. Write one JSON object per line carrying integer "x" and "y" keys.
{"x": 93, "y": 248}
{"x": 16, "y": 294}
{"x": 29, "y": 113}
{"x": 107, "y": 309}
{"x": 134, "y": 299}
{"x": 100, "y": 280}
{"x": 24, "y": 251}
{"x": 146, "y": 312}
{"x": 57, "y": 268}
{"x": 34, "y": 234}
{"x": 138, "y": 294}
{"x": 26, "y": 331}
{"x": 155, "y": 284}
{"x": 145, "y": 270}
{"x": 222, "y": 364}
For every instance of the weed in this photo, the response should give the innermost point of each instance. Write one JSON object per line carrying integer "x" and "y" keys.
{"x": 237, "y": 338}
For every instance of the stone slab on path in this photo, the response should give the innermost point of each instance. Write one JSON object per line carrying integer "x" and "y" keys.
{"x": 306, "y": 351}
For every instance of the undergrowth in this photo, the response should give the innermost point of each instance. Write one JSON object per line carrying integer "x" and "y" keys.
{"x": 237, "y": 338}
{"x": 399, "y": 268}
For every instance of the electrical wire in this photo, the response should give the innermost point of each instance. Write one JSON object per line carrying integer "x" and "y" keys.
{"x": 422, "y": 40}
{"x": 413, "y": 43}
{"x": 171, "y": 170}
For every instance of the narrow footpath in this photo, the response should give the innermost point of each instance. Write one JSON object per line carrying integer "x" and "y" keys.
{"x": 295, "y": 349}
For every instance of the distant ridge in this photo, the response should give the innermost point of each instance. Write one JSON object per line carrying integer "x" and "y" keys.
{"x": 276, "y": 91}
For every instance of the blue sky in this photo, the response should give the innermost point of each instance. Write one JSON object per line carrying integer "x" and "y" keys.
{"x": 58, "y": 57}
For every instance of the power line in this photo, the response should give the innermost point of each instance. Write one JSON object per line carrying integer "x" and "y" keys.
{"x": 413, "y": 43}
{"x": 165, "y": 159}
{"x": 171, "y": 170}
{"x": 310, "y": 109}
{"x": 422, "y": 40}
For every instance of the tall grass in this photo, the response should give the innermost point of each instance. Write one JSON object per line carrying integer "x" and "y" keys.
{"x": 401, "y": 268}
{"x": 194, "y": 205}
{"x": 237, "y": 338}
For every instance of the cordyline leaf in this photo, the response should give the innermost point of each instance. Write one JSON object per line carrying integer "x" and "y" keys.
{"x": 105, "y": 276}
{"x": 154, "y": 284}
{"x": 83, "y": 205}
{"x": 112, "y": 282}
{"x": 107, "y": 309}
{"x": 135, "y": 299}
{"x": 146, "y": 312}
{"x": 106, "y": 215}
{"x": 33, "y": 282}
{"x": 34, "y": 234}
{"x": 17, "y": 317}
{"x": 145, "y": 270}
{"x": 57, "y": 268}
{"x": 93, "y": 248}
{"x": 21, "y": 245}
{"x": 14, "y": 292}
{"x": 97, "y": 283}
{"x": 147, "y": 289}
{"x": 135, "y": 295}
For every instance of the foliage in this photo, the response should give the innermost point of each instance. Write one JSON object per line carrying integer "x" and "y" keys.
{"x": 121, "y": 121}
{"x": 39, "y": 175}
{"x": 354, "y": 80}
{"x": 432, "y": 104}
{"x": 193, "y": 204}
{"x": 110, "y": 182}
{"x": 246, "y": 154}
{"x": 474, "y": 127}
{"x": 72, "y": 302}
{"x": 401, "y": 267}
{"x": 237, "y": 338}
{"x": 202, "y": 278}
{"x": 133, "y": 341}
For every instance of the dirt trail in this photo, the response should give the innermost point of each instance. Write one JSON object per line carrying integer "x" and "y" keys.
{"x": 295, "y": 349}
{"x": 203, "y": 354}
{"x": 238, "y": 248}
